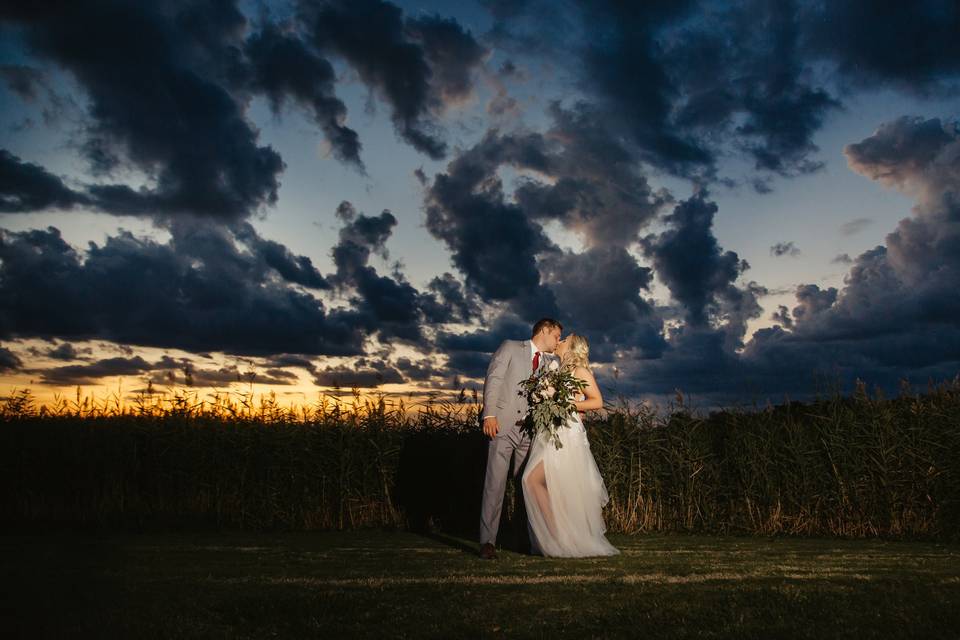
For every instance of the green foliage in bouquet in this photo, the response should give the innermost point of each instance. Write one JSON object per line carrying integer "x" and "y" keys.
{"x": 550, "y": 393}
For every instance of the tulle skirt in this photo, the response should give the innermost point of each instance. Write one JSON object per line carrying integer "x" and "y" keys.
{"x": 576, "y": 495}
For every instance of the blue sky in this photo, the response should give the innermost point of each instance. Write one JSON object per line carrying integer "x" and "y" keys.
{"x": 754, "y": 131}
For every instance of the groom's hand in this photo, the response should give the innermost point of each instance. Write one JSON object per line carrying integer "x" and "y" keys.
{"x": 491, "y": 425}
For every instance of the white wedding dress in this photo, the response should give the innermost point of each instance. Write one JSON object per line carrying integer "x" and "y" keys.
{"x": 565, "y": 517}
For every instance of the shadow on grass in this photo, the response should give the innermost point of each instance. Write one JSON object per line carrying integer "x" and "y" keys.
{"x": 440, "y": 489}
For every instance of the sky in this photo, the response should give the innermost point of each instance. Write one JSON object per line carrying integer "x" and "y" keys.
{"x": 744, "y": 201}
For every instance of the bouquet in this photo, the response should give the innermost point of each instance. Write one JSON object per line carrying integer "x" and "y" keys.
{"x": 550, "y": 394}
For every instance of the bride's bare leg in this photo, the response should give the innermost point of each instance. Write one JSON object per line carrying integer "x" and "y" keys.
{"x": 536, "y": 485}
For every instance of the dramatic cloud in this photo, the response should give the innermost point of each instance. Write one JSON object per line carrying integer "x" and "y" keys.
{"x": 450, "y": 302}
{"x": 66, "y": 351}
{"x": 9, "y": 361}
{"x": 813, "y": 300}
{"x": 419, "y": 65}
{"x": 390, "y": 306}
{"x": 26, "y": 187}
{"x": 364, "y": 374}
{"x": 684, "y": 81}
{"x": 166, "y": 370}
{"x": 621, "y": 66}
{"x": 89, "y": 373}
{"x": 275, "y": 256}
{"x": 290, "y": 360}
{"x": 895, "y": 317}
{"x": 599, "y": 293}
{"x": 176, "y": 124}
{"x": 910, "y": 46}
{"x": 422, "y": 370}
{"x": 492, "y": 241}
{"x": 197, "y": 292}
{"x": 575, "y": 174}
{"x": 597, "y": 190}
{"x": 283, "y": 67}
{"x": 690, "y": 262}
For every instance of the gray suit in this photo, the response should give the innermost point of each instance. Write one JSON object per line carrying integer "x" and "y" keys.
{"x": 510, "y": 364}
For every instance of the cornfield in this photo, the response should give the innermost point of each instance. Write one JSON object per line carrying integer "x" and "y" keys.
{"x": 852, "y": 466}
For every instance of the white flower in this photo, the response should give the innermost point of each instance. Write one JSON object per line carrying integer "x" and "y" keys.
{"x": 554, "y": 365}
{"x": 550, "y": 391}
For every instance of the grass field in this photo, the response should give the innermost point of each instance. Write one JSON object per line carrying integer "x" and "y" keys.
{"x": 395, "y": 584}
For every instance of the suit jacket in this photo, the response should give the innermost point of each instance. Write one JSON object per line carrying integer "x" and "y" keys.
{"x": 511, "y": 363}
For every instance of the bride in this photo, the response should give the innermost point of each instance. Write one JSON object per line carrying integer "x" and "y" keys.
{"x": 562, "y": 488}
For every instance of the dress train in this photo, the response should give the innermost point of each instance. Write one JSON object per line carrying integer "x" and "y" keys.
{"x": 564, "y": 495}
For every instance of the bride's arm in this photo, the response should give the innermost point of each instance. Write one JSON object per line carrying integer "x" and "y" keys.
{"x": 593, "y": 398}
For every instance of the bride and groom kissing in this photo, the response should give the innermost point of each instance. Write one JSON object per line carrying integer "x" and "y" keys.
{"x": 563, "y": 492}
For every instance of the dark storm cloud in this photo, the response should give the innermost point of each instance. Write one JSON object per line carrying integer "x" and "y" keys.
{"x": 745, "y": 62}
{"x": 812, "y": 300}
{"x": 65, "y": 351}
{"x": 388, "y": 305}
{"x": 215, "y": 377}
{"x": 419, "y": 371}
{"x": 165, "y": 370}
{"x": 575, "y": 174}
{"x": 689, "y": 260}
{"x": 90, "y": 373}
{"x": 784, "y": 249}
{"x": 621, "y": 67}
{"x": 902, "y": 150}
{"x": 683, "y": 81}
{"x": 291, "y": 360}
{"x": 896, "y": 315}
{"x": 492, "y": 241}
{"x": 176, "y": 123}
{"x": 291, "y": 267}
{"x": 417, "y": 64}
{"x": 592, "y": 188}
{"x": 9, "y": 361}
{"x": 782, "y": 316}
{"x": 913, "y": 47}
{"x": 451, "y": 52}
{"x": 26, "y": 187}
{"x": 283, "y": 67}
{"x": 197, "y": 292}
{"x": 597, "y": 190}
{"x": 600, "y": 294}
{"x": 450, "y": 301}
{"x": 486, "y": 340}
{"x": 368, "y": 374}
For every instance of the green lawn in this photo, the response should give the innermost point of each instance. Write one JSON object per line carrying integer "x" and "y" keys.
{"x": 390, "y": 584}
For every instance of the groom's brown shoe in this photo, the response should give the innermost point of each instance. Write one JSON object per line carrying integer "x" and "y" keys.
{"x": 488, "y": 551}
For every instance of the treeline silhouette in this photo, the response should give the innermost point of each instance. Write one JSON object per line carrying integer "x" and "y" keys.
{"x": 841, "y": 465}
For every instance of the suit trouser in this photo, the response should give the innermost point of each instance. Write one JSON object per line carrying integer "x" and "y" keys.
{"x": 502, "y": 448}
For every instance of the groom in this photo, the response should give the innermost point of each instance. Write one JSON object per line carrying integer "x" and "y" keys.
{"x": 503, "y": 407}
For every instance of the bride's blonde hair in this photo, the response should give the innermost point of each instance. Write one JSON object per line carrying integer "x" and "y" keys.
{"x": 578, "y": 353}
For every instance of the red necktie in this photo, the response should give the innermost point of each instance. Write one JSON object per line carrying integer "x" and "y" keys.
{"x": 536, "y": 360}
